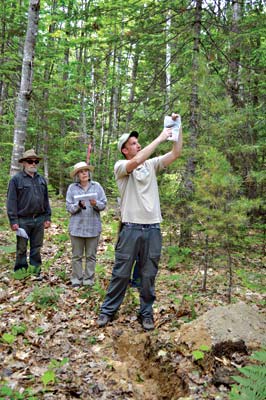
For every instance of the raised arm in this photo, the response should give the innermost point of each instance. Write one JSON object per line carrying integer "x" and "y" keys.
{"x": 170, "y": 157}
{"x": 144, "y": 154}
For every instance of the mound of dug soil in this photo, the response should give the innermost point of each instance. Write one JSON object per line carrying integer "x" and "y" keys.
{"x": 151, "y": 367}
{"x": 238, "y": 322}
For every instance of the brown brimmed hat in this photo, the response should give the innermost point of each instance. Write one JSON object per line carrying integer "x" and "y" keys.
{"x": 124, "y": 138}
{"x": 29, "y": 154}
{"x": 79, "y": 167}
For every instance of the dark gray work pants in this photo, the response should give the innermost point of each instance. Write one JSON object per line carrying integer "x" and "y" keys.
{"x": 135, "y": 240}
{"x": 34, "y": 226}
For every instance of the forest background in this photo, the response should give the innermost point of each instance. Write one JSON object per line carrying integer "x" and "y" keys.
{"x": 99, "y": 68}
{"x": 74, "y": 76}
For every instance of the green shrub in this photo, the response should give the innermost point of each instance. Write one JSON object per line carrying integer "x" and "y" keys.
{"x": 177, "y": 255}
{"x": 18, "y": 329}
{"x": 44, "y": 297}
{"x": 8, "y": 338}
{"x": 252, "y": 280}
{"x": 7, "y": 393}
{"x": 49, "y": 376}
{"x": 24, "y": 273}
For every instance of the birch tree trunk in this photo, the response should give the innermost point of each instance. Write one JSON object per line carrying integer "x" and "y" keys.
{"x": 22, "y": 106}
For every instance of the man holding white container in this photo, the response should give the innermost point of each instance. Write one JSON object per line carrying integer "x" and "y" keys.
{"x": 140, "y": 236}
{"x": 85, "y": 200}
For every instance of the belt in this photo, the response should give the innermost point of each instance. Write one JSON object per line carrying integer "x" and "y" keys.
{"x": 133, "y": 225}
{"x": 33, "y": 216}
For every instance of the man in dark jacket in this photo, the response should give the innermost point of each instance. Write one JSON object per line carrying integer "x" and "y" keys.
{"x": 29, "y": 211}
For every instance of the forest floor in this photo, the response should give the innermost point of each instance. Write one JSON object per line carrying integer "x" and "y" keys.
{"x": 51, "y": 347}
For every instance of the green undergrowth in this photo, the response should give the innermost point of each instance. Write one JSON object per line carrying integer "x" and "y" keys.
{"x": 252, "y": 381}
{"x": 252, "y": 280}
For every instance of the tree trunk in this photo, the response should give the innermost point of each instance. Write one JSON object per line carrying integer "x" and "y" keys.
{"x": 63, "y": 122}
{"x": 133, "y": 81}
{"x": 167, "y": 65}
{"x": 44, "y": 123}
{"x": 63, "y": 127}
{"x": 44, "y": 119}
{"x": 3, "y": 94}
{"x": 22, "y": 106}
{"x": 233, "y": 81}
{"x": 2, "y": 82}
{"x": 206, "y": 264}
{"x": 104, "y": 101}
{"x": 230, "y": 273}
{"x": 185, "y": 231}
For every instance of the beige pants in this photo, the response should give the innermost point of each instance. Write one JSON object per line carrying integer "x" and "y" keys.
{"x": 87, "y": 248}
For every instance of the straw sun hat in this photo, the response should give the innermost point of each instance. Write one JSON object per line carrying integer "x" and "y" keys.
{"x": 79, "y": 167}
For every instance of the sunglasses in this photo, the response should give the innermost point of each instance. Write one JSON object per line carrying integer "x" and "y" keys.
{"x": 32, "y": 161}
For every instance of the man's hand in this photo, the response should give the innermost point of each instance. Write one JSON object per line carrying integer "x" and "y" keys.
{"x": 165, "y": 134}
{"x": 174, "y": 116}
{"x": 143, "y": 154}
{"x": 47, "y": 224}
{"x": 14, "y": 227}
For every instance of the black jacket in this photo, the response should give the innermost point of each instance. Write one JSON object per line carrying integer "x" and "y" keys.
{"x": 27, "y": 196}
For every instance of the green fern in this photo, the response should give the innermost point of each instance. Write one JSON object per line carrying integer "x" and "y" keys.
{"x": 252, "y": 386}
{"x": 260, "y": 356}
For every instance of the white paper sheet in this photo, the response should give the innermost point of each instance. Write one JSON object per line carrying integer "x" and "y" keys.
{"x": 21, "y": 232}
{"x": 175, "y": 125}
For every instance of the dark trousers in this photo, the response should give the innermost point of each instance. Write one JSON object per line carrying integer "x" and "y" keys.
{"x": 35, "y": 230}
{"x": 144, "y": 241}
{"x": 135, "y": 275}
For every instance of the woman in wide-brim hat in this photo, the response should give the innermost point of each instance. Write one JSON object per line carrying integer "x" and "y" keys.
{"x": 79, "y": 167}
{"x": 85, "y": 200}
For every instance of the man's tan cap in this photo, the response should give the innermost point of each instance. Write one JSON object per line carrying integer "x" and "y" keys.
{"x": 124, "y": 138}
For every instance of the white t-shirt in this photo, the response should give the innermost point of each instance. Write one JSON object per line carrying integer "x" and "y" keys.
{"x": 140, "y": 202}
